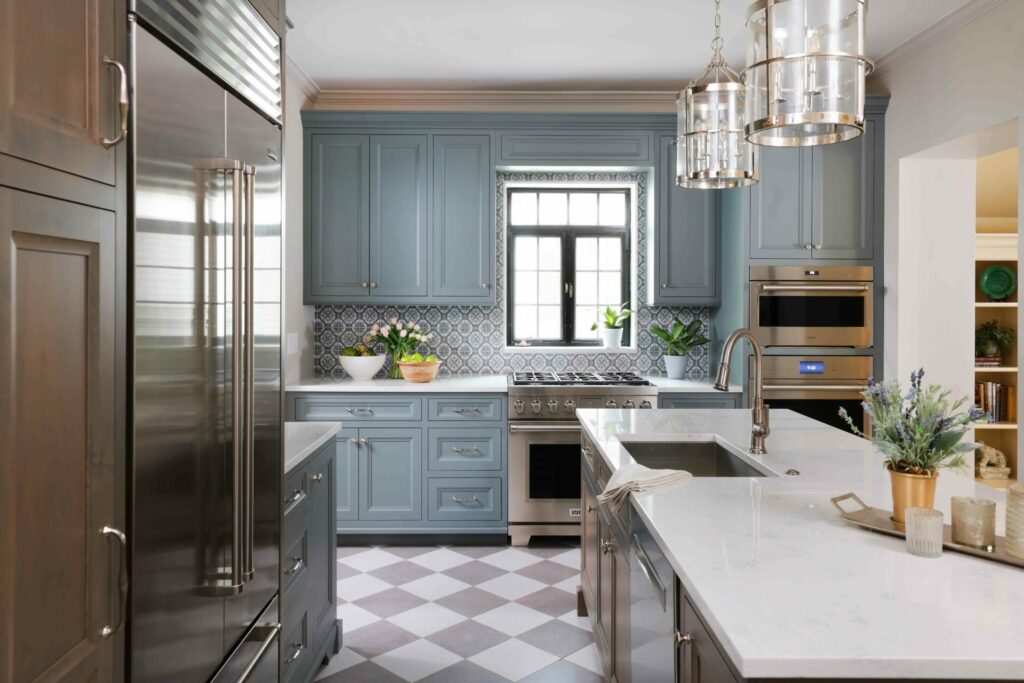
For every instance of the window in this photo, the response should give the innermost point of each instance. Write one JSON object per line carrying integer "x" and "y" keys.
{"x": 568, "y": 260}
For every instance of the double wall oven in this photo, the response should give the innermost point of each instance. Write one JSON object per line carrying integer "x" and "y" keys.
{"x": 818, "y": 386}
{"x": 544, "y": 444}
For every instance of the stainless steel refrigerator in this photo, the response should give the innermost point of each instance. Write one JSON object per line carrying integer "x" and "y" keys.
{"x": 206, "y": 358}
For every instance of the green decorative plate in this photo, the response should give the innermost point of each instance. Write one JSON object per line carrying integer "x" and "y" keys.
{"x": 998, "y": 282}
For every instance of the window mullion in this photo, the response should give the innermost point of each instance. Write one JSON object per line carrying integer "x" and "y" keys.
{"x": 568, "y": 277}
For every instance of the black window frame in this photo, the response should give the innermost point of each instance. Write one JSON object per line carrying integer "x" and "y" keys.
{"x": 567, "y": 235}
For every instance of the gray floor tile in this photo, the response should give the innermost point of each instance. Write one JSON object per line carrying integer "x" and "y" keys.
{"x": 367, "y": 672}
{"x": 348, "y": 550}
{"x": 408, "y": 551}
{"x": 548, "y": 572}
{"x": 464, "y": 672}
{"x": 563, "y": 672}
{"x": 471, "y": 601}
{"x": 551, "y": 601}
{"x": 557, "y": 637}
{"x": 474, "y": 572}
{"x": 378, "y": 638}
{"x": 468, "y": 638}
{"x": 345, "y": 571}
{"x": 478, "y": 551}
{"x": 392, "y": 601}
{"x": 403, "y": 572}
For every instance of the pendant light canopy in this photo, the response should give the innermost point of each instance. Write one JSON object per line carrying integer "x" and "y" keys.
{"x": 711, "y": 150}
{"x": 805, "y": 72}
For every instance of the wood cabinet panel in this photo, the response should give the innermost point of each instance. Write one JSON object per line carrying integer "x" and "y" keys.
{"x": 58, "y": 572}
{"x": 323, "y": 541}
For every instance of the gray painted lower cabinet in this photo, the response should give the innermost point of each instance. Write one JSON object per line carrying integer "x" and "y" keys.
{"x": 310, "y": 632}
{"x": 695, "y": 401}
{"x": 415, "y": 463}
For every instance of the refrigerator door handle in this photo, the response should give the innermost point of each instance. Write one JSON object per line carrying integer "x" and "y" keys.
{"x": 248, "y": 571}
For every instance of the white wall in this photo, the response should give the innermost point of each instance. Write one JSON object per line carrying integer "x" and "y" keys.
{"x": 298, "y": 319}
{"x": 970, "y": 80}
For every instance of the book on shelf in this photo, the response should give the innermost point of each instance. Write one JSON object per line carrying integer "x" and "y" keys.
{"x": 998, "y": 400}
{"x": 988, "y": 362}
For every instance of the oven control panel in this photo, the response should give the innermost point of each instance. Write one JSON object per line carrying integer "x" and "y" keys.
{"x": 563, "y": 406}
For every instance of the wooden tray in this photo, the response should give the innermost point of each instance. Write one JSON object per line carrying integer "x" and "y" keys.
{"x": 881, "y": 521}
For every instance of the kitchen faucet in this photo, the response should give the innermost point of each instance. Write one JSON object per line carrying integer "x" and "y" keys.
{"x": 759, "y": 429}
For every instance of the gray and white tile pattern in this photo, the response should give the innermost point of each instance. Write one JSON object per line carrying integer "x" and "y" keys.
{"x": 471, "y": 339}
{"x": 461, "y": 614}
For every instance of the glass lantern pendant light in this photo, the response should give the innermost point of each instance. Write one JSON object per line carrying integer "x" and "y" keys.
{"x": 711, "y": 151}
{"x": 805, "y": 72}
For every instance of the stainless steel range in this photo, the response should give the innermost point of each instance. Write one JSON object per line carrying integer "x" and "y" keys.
{"x": 544, "y": 443}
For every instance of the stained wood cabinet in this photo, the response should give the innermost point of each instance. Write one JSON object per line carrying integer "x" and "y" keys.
{"x": 700, "y": 660}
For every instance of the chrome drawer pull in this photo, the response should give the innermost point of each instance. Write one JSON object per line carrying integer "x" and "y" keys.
{"x": 296, "y": 654}
{"x": 122, "y": 578}
{"x": 464, "y": 500}
{"x": 683, "y": 638}
{"x": 466, "y": 450}
{"x": 318, "y": 477}
{"x": 299, "y": 564}
{"x": 360, "y": 411}
{"x": 296, "y": 496}
{"x": 463, "y": 411}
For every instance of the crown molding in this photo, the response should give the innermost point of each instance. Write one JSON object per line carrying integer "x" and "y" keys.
{"x": 610, "y": 101}
{"x": 950, "y": 23}
{"x": 302, "y": 79}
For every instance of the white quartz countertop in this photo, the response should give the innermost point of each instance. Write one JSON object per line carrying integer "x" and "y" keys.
{"x": 301, "y": 439}
{"x": 490, "y": 384}
{"x": 686, "y": 386}
{"x": 789, "y": 588}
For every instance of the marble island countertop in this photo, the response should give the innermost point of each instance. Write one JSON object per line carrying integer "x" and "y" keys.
{"x": 488, "y": 384}
{"x": 789, "y": 588}
{"x": 301, "y": 439}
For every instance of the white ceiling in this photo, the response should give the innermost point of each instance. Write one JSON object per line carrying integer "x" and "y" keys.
{"x": 540, "y": 44}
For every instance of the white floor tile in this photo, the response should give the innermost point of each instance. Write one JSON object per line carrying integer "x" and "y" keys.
{"x": 426, "y": 619}
{"x": 354, "y": 616}
{"x": 416, "y": 660}
{"x": 345, "y": 659}
{"x": 441, "y": 559}
{"x": 434, "y": 586}
{"x": 570, "y": 558}
{"x": 513, "y": 659}
{"x": 511, "y": 586}
{"x": 359, "y": 586}
{"x": 512, "y": 618}
{"x": 371, "y": 559}
{"x": 588, "y": 658}
{"x": 579, "y": 622}
{"x": 511, "y": 559}
{"x": 569, "y": 585}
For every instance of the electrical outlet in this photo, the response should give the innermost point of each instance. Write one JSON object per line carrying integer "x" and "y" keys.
{"x": 293, "y": 342}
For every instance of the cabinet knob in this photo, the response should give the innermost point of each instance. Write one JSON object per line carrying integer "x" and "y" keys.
{"x": 590, "y": 508}
{"x": 607, "y": 547}
{"x": 664, "y": 285}
{"x": 318, "y": 477}
{"x": 808, "y": 246}
{"x": 364, "y": 284}
{"x": 683, "y": 638}
{"x": 373, "y": 285}
{"x": 817, "y": 246}
{"x": 485, "y": 285}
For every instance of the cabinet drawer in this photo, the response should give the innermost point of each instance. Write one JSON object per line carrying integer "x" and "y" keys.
{"x": 296, "y": 493}
{"x": 296, "y": 643}
{"x": 465, "y": 409}
{"x": 698, "y": 401}
{"x": 295, "y": 563}
{"x": 363, "y": 409}
{"x": 465, "y": 449}
{"x": 477, "y": 499}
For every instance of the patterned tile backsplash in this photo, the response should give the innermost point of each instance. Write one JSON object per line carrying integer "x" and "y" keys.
{"x": 471, "y": 339}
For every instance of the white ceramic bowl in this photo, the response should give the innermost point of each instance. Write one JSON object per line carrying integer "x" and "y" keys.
{"x": 362, "y": 368}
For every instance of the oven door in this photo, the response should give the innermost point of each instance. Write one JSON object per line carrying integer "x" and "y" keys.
{"x": 544, "y": 472}
{"x": 821, "y": 402}
{"x": 812, "y": 314}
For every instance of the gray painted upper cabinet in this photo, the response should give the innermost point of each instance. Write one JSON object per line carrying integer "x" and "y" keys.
{"x": 273, "y": 12}
{"x": 686, "y": 245}
{"x": 463, "y": 228}
{"x": 780, "y": 210}
{"x": 398, "y": 216}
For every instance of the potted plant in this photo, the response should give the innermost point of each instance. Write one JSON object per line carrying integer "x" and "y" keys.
{"x": 679, "y": 340}
{"x": 399, "y": 339}
{"x": 611, "y": 326}
{"x": 918, "y": 432}
{"x": 991, "y": 340}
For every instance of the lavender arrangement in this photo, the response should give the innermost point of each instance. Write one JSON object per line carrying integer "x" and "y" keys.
{"x": 919, "y": 431}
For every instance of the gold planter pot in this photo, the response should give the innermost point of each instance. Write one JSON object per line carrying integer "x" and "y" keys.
{"x": 911, "y": 491}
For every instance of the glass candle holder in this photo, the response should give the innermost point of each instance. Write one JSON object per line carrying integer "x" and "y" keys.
{"x": 924, "y": 532}
{"x": 1015, "y": 520}
{"x": 974, "y": 522}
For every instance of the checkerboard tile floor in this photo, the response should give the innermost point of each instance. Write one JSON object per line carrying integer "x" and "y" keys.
{"x": 459, "y": 614}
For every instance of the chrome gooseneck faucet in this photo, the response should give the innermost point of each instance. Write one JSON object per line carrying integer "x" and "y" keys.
{"x": 759, "y": 429}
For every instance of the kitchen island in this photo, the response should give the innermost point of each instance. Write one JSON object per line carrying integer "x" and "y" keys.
{"x": 785, "y": 588}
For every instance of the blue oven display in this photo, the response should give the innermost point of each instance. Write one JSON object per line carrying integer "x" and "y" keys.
{"x": 812, "y": 367}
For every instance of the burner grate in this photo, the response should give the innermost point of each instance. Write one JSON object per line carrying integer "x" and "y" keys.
{"x": 578, "y": 378}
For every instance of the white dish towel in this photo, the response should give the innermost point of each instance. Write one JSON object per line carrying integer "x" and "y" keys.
{"x": 641, "y": 479}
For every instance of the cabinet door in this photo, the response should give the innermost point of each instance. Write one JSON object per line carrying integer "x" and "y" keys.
{"x": 590, "y": 543}
{"x": 57, "y": 98}
{"x": 463, "y": 230}
{"x": 273, "y": 12}
{"x": 606, "y": 594}
{"x": 621, "y": 655}
{"x": 337, "y": 229}
{"x": 843, "y": 197}
{"x": 700, "y": 660}
{"x": 59, "y": 575}
{"x": 780, "y": 207}
{"x": 699, "y": 401}
{"x": 346, "y": 477}
{"x": 687, "y": 239}
{"x": 390, "y": 475}
{"x": 322, "y": 542}
{"x": 398, "y": 216}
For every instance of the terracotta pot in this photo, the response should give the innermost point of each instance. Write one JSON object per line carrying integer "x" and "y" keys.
{"x": 911, "y": 491}
{"x": 423, "y": 371}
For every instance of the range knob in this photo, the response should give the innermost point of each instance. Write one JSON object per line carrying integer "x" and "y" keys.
{"x": 611, "y": 403}
{"x": 570, "y": 405}
{"x": 628, "y": 404}
{"x": 535, "y": 406}
{"x": 519, "y": 406}
{"x": 553, "y": 405}
{"x": 645, "y": 403}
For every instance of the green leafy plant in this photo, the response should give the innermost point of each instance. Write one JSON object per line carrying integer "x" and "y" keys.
{"x": 680, "y": 339}
{"x": 992, "y": 334}
{"x": 920, "y": 431}
{"x": 614, "y": 319}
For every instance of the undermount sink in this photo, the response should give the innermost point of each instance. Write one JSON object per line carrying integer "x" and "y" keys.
{"x": 699, "y": 458}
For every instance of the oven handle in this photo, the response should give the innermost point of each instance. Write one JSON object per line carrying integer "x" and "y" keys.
{"x": 815, "y": 387}
{"x": 545, "y": 427}
{"x": 815, "y": 288}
